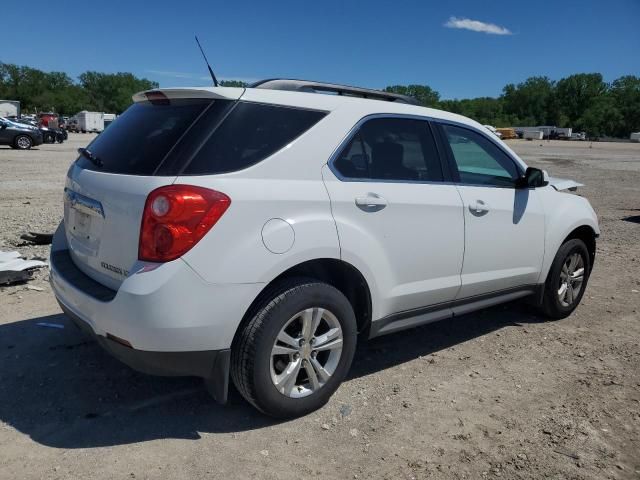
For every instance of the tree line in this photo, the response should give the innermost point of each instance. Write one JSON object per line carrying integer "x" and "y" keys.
{"x": 583, "y": 101}
{"x": 56, "y": 91}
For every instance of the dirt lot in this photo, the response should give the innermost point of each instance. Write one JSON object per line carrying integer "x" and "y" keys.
{"x": 500, "y": 393}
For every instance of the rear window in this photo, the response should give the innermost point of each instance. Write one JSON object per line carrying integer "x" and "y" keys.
{"x": 196, "y": 137}
{"x": 137, "y": 142}
{"x": 248, "y": 135}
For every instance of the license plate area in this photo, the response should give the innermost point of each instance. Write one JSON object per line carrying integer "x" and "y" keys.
{"x": 84, "y": 218}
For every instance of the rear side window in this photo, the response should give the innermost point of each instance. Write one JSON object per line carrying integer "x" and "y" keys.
{"x": 396, "y": 149}
{"x": 248, "y": 135}
{"x": 137, "y": 142}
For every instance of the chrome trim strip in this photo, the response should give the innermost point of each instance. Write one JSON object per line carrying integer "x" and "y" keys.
{"x": 82, "y": 203}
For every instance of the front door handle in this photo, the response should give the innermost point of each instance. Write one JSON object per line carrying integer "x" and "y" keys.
{"x": 371, "y": 203}
{"x": 479, "y": 208}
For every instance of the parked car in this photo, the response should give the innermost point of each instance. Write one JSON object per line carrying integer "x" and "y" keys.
{"x": 258, "y": 234}
{"x": 49, "y": 135}
{"x": 18, "y": 135}
{"x": 578, "y": 136}
{"x": 72, "y": 125}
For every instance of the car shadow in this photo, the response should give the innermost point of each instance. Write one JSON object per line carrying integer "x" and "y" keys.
{"x": 64, "y": 391}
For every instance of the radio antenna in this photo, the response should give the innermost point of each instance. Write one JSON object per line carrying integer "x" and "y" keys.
{"x": 213, "y": 77}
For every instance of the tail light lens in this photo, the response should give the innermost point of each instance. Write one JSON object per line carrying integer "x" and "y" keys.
{"x": 175, "y": 218}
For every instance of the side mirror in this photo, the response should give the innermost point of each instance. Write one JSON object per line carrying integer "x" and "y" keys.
{"x": 3, "y": 126}
{"x": 532, "y": 178}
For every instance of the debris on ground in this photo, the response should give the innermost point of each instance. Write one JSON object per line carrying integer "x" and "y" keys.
{"x": 15, "y": 269}
{"x": 38, "y": 238}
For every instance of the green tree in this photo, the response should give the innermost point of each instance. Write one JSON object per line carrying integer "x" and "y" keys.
{"x": 111, "y": 92}
{"x": 602, "y": 117}
{"x": 626, "y": 94}
{"x": 577, "y": 93}
{"x": 531, "y": 101}
{"x": 233, "y": 83}
{"x": 423, "y": 93}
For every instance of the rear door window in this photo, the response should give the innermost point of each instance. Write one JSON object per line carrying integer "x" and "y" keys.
{"x": 138, "y": 141}
{"x": 394, "y": 149}
{"x": 250, "y": 133}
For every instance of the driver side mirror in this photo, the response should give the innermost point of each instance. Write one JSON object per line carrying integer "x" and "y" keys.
{"x": 3, "y": 125}
{"x": 532, "y": 178}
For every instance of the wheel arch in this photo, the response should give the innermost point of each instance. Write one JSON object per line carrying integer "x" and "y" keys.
{"x": 588, "y": 235}
{"x": 338, "y": 273}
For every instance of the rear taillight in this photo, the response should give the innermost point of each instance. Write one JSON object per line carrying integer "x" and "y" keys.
{"x": 175, "y": 218}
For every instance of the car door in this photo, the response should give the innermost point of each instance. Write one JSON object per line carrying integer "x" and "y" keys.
{"x": 504, "y": 225}
{"x": 5, "y": 133}
{"x": 397, "y": 221}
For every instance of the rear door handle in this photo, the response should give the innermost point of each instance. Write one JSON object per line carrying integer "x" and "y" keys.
{"x": 479, "y": 208}
{"x": 371, "y": 203}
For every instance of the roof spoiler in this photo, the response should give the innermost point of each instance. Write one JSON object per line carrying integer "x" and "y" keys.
{"x": 320, "y": 87}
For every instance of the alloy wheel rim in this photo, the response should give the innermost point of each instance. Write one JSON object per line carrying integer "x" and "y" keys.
{"x": 306, "y": 352}
{"x": 571, "y": 279}
{"x": 23, "y": 142}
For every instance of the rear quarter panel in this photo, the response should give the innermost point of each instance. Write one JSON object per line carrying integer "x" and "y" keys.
{"x": 233, "y": 251}
{"x": 288, "y": 185}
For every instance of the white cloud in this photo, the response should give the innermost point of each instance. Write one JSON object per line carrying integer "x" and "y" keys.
{"x": 477, "y": 26}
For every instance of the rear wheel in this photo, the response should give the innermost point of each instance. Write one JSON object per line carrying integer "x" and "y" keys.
{"x": 567, "y": 279}
{"x": 295, "y": 351}
{"x": 23, "y": 142}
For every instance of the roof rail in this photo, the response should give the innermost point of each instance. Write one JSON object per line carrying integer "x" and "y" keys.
{"x": 321, "y": 87}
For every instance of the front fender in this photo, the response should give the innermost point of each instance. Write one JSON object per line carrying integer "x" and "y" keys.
{"x": 564, "y": 212}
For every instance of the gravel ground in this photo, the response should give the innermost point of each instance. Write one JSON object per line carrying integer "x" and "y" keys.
{"x": 499, "y": 393}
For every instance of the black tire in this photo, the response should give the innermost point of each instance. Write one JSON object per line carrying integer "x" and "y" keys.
{"x": 552, "y": 306}
{"x": 23, "y": 142}
{"x": 251, "y": 351}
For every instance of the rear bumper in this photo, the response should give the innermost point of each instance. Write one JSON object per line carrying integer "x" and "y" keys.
{"x": 158, "y": 307}
{"x": 212, "y": 365}
{"x": 172, "y": 319}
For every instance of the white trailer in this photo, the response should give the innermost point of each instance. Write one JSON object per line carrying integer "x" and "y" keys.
{"x": 90, "y": 121}
{"x": 635, "y": 137}
{"x": 532, "y": 134}
{"x": 109, "y": 118}
{"x": 564, "y": 133}
{"x": 9, "y": 108}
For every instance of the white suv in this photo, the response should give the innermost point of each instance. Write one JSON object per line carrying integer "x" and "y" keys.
{"x": 255, "y": 234}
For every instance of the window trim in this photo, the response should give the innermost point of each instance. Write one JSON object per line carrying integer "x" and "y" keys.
{"x": 452, "y": 166}
{"x": 449, "y": 171}
{"x": 356, "y": 129}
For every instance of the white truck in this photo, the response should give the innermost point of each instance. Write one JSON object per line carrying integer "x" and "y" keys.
{"x": 532, "y": 134}
{"x": 9, "y": 108}
{"x": 90, "y": 121}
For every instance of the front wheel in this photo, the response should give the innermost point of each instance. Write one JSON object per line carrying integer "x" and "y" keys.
{"x": 295, "y": 351}
{"x": 23, "y": 142}
{"x": 567, "y": 279}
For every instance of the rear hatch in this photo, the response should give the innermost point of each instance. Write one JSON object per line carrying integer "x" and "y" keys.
{"x": 142, "y": 150}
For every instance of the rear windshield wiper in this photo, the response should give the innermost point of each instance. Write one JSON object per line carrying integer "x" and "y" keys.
{"x": 90, "y": 156}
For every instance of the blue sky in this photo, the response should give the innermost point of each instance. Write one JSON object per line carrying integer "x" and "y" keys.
{"x": 371, "y": 44}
